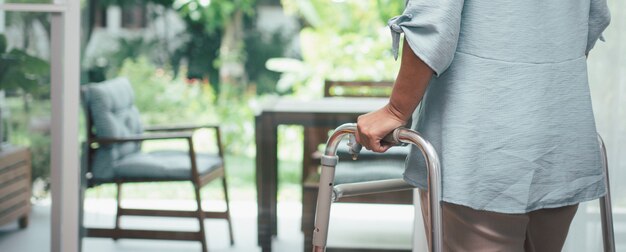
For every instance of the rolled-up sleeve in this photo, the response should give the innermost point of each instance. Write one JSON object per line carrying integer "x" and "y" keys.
{"x": 431, "y": 29}
{"x": 599, "y": 19}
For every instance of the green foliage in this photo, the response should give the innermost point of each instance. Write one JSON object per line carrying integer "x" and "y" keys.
{"x": 164, "y": 99}
{"x": 133, "y": 48}
{"x": 259, "y": 50}
{"x": 129, "y": 49}
{"x": 41, "y": 151}
{"x": 19, "y": 70}
{"x": 205, "y": 23}
{"x": 357, "y": 17}
{"x": 22, "y": 133}
{"x": 27, "y": 76}
{"x": 121, "y": 3}
{"x": 389, "y": 8}
{"x": 212, "y": 15}
{"x": 345, "y": 40}
{"x": 3, "y": 43}
{"x": 236, "y": 119}
{"x": 201, "y": 52}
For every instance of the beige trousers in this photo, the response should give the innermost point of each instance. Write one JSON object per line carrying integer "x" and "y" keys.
{"x": 466, "y": 229}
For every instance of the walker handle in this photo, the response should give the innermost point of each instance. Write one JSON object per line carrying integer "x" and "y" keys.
{"x": 393, "y": 138}
{"x": 390, "y": 139}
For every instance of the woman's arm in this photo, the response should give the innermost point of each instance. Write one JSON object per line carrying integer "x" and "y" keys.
{"x": 408, "y": 90}
{"x": 599, "y": 19}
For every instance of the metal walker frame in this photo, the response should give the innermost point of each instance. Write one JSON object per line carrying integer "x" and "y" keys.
{"x": 329, "y": 193}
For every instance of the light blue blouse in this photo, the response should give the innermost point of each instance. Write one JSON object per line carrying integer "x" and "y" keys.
{"x": 509, "y": 110}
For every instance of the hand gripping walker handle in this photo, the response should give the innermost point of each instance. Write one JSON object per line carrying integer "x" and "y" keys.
{"x": 391, "y": 139}
{"x": 327, "y": 189}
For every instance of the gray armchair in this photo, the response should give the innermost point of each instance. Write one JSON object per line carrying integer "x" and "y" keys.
{"x": 112, "y": 154}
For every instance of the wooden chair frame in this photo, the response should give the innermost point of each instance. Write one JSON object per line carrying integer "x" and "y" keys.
{"x": 198, "y": 180}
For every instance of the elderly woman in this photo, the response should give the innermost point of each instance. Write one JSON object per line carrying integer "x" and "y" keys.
{"x": 505, "y": 101}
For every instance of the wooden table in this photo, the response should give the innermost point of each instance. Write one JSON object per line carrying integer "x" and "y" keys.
{"x": 324, "y": 112}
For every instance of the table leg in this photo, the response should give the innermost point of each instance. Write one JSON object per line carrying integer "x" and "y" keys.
{"x": 266, "y": 175}
{"x": 272, "y": 160}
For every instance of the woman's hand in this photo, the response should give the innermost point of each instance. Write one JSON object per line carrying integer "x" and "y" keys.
{"x": 408, "y": 90}
{"x": 374, "y": 126}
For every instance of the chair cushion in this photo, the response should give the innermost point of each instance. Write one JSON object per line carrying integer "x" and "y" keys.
{"x": 164, "y": 165}
{"x": 114, "y": 114}
{"x": 370, "y": 165}
{"x": 362, "y": 171}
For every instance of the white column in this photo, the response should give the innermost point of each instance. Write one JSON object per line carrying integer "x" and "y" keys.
{"x": 2, "y": 19}
{"x": 114, "y": 19}
{"x": 64, "y": 174}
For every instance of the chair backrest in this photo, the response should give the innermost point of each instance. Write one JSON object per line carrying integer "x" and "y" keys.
{"x": 357, "y": 88}
{"x": 110, "y": 112}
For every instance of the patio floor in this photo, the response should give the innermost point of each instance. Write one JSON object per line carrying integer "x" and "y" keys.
{"x": 352, "y": 225}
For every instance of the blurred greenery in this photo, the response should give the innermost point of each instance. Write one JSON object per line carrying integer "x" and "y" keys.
{"x": 345, "y": 17}
{"x": 205, "y": 23}
{"x": 341, "y": 40}
{"x": 31, "y": 128}
{"x": 24, "y": 78}
{"x": 260, "y": 48}
{"x": 20, "y": 71}
{"x": 129, "y": 48}
{"x": 163, "y": 98}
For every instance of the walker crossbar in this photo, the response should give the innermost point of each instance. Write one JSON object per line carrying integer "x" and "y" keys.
{"x": 370, "y": 187}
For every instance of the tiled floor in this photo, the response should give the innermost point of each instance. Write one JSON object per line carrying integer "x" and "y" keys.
{"x": 352, "y": 225}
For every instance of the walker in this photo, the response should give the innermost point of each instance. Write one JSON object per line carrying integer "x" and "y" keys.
{"x": 329, "y": 193}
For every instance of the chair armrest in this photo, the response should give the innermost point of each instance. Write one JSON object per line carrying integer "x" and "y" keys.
{"x": 189, "y": 128}
{"x": 141, "y": 138}
{"x": 179, "y": 127}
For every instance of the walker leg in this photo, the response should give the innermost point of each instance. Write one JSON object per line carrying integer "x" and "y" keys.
{"x": 608, "y": 235}
{"x": 324, "y": 200}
